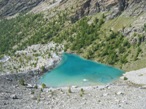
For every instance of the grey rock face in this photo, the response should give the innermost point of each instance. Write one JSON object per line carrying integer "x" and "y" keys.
{"x": 11, "y": 7}
{"x": 122, "y": 4}
{"x": 115, "y": 6}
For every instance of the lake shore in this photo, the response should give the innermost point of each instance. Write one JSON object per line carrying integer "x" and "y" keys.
{"x": 121, "y": 94}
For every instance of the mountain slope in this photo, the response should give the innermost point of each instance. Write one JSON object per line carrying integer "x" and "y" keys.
{"x": 107, "y": 31}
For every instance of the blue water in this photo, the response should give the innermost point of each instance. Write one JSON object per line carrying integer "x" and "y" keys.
{"x": 74, "y": 70}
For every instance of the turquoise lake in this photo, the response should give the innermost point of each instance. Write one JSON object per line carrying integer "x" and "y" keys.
{"x": 76, "y": 71}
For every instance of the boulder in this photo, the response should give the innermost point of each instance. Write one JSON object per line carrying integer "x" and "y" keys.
{"x": 14, "y": 96}
{"x": 119, "y": 93}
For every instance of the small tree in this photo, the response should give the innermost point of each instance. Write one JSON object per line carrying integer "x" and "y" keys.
{"x": 81, "y": 92}
{"x": 43, "y": 69}
{"x": 43, "y": 85}
{"x": 36, "y": 87}
{"x": 69, "y": 90}
{"x": 125, "y": 78}
{"x": 22, "y": 82}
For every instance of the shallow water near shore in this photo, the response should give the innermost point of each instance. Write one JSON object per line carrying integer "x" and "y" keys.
{"x": 76, "y": 71}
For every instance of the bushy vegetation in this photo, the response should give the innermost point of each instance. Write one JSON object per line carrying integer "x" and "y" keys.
{"x": 24, "y": 30}
{"x": 15, "y": 30}
{"x": 82, "y": 92}
{"x": 43, "y": 85}
{"x": 92, "y": 42}
{"x": 69, "y": 90}
{"x": 125, "y": 78}
{"x": 86, "y": 37}
{"x": 22, "y": 82}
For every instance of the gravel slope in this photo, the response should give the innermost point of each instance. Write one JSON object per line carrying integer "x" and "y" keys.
{"x": 118, "y": 95}
{"x": 137, "y": 77}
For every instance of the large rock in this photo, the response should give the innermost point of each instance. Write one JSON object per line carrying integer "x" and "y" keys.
{"x": 14, "y": 96}
{"x": 122, "y": 4}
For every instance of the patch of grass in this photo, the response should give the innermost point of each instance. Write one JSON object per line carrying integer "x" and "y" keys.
{"x": 140, "y": 75}
{"x": 118, "y": 23}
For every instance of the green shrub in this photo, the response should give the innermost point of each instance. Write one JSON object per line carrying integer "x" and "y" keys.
{"x": 125, "y": 78}
{"x": 43, "y": 85}
{"x": 22, "y": 82}
{"x": 36, "y": 87}
{"x": 82, "y": 92}
{"x": 69, "y": 90}
{"x": 43, "y": 69}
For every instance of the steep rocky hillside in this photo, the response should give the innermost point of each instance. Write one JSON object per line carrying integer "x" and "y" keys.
{"x": 11, "y": 7}
{"x": 108, "y": 31}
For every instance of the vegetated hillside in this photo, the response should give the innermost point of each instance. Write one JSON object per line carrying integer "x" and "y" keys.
{"x": 26, "y": 30}
{"x": 111, "y": 32}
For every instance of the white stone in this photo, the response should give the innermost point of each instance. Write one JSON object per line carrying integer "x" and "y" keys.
{"x": 14, "y": 96}
{"x": 143, "y": 87}
{"x": 105, "y": 94}
{"x": 119, "y": 93}
{"x": 29, "y": 86}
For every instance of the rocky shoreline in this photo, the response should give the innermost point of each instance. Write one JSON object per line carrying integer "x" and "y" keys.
{"x": 33, "y": 58}
{"x": 121, "y": 94}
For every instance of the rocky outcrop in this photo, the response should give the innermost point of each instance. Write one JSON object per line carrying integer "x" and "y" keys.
{"x": 11, "y": 7}
{"x": 40, "y": 57}
{"x": 122, "y": 4}
{"x": 91, "y": 7}
{"x": 116, "y": 7}
{"x": 136, "y": 30}
{"x": 84, "y": 10}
